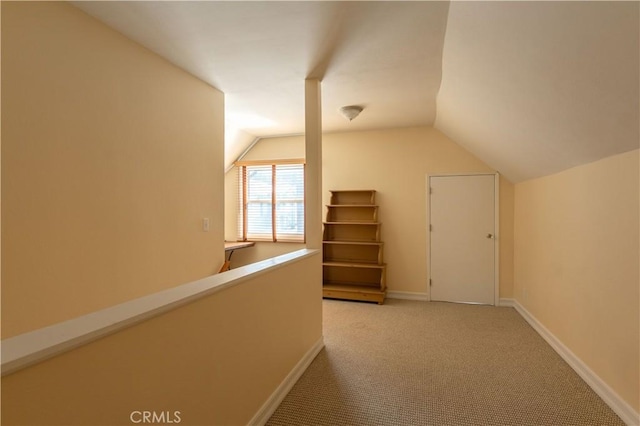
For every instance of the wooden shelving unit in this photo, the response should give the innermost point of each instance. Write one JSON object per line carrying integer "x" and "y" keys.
{"x": 352, "y": 264}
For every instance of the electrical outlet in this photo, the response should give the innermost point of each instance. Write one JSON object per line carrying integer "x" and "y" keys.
{"x": 205, "y": 224}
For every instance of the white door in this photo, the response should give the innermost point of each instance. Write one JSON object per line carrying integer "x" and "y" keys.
{"x": 462, "y": 238}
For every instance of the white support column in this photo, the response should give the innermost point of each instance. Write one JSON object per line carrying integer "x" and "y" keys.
{"x": 313, "y": 168}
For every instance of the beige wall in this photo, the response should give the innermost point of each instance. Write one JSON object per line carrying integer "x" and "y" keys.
{"x": 395, "y": 163}
{"x": 577, "y": 264}
{"x": 111, "y": 158}
{"x": 216, "y": 360}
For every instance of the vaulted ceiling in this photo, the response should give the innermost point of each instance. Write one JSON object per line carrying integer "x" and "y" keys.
{"x": 531, "y": 88}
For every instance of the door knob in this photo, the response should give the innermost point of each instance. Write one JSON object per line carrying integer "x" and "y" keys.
{"x": 489, "y": 235}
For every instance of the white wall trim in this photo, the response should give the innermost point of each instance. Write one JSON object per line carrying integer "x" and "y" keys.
{"x": 272, "y": 403}
{"x": 506, "y": 302}
{"x": 407, "y": 295}
{"x": 35, "y": 346}
{"x": 608, "y": 395}
{"x": 497, "y": 236}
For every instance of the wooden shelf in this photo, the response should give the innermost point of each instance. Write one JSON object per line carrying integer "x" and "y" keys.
{"x": 352, "y": 251}
{"x": 363, "y": 213}
{"x": 350, "y": 197}
{"x": 353, "y": 292}
{"x": 354, "y": 243}
{"x": 355, "y": 274}
{"x": 354, "y": 222}
{"x": 352, "y": 231}
{"x": 352, "y": 264}
{"x": 352, "y": 205}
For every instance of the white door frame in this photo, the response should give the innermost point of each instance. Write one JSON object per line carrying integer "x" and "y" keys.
{"x": 496, "y": 252}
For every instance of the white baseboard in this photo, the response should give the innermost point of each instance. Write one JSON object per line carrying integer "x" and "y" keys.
{"x": 509, "y": 303}
{"x": 407, "y": 295}
{"x": 272, "y": 403}
{"x": 608, "y": 395}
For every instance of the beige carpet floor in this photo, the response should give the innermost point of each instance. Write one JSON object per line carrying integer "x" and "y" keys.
{"x": 418, "y": 363}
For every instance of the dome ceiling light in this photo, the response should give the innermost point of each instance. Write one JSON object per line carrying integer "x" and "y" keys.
{"x": 350, "y": 112}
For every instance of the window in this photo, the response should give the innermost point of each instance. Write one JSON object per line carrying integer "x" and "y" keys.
{"x": 271, "y": 201}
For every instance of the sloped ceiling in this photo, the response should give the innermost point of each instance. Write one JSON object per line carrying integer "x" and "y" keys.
{"x": 531, "y": 88}
{"x": 385, "y": 56}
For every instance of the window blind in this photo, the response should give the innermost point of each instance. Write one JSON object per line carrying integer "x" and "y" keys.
{"x": 271, "y": 202}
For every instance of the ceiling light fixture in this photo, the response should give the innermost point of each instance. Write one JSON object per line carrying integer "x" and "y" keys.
{"x": 350, "y": 112}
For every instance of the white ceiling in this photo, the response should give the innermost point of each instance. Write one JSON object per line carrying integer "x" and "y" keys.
{"x": 533, "y": 88}
{"x": 529, "y": 87}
